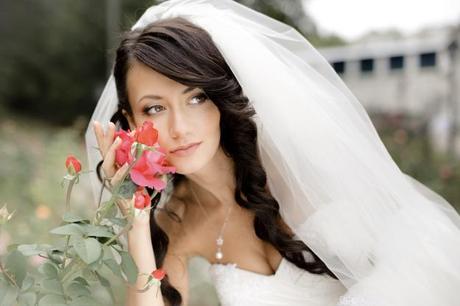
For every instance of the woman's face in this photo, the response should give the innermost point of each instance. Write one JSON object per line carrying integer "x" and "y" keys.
{"x": 181, "y": 115}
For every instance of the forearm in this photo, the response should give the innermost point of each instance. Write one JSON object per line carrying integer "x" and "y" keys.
{"x": 140, "y": 248}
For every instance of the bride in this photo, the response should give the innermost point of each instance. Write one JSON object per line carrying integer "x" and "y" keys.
{"x": 281, "y": 182}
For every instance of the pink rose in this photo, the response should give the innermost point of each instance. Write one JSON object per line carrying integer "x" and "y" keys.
{"x": 147, "y": 134}
{"x": 149, "y": 168}
{"x": 141, "y": 199}
{"x": 123, "y": 152}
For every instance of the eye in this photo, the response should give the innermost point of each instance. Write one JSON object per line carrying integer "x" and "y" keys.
{"x": 149, "y": 110}
{"x": 202, "y": 97}
{"x": 154, "y": 109}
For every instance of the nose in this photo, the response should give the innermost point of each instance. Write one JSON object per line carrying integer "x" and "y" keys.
{"x": 178, "y": 124}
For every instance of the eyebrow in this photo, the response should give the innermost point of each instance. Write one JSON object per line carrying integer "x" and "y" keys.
{"x": 155, "y": 97}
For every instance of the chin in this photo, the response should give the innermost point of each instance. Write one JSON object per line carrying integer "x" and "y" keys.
{"x": 185, "y": 168}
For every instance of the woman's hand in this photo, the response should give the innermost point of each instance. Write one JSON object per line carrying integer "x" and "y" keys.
{"x": 111, "y": 171}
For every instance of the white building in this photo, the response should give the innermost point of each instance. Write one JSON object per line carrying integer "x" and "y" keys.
{"x": 417, "y": 75}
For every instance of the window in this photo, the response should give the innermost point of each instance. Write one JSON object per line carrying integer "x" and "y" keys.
{"x": 339, "y": 67}
{"x": 367, "y": 65}
{"x": 427, "y": 59}
{"x": 396, "y": 62}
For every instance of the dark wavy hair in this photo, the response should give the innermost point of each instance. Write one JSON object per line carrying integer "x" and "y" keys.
{"x": 187, "y": 54}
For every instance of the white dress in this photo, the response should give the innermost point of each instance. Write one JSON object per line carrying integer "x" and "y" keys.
{"x": 289, "y": 286}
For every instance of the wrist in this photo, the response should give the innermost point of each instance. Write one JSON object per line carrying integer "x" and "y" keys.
{"x": 139, "y": 227}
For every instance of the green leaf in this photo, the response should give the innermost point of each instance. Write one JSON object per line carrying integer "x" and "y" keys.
{"x": 105, "y": 283}
{"x": 107, "y": 252}
{"x": 76, "y": 289}
{"x": 27, "y": 283}
{"x": 129, "y": 267}
{"x": 88, "y": 274}
{"x": 8, "y": 294}
{"x": 27, "y": 299}
{"x": 118, "y": 221}
{"x": 52, "y": 300}
{"x": 49, "y": 270}
{"x": 82, "y": 281}
{"x": 97, "y": 265}
{"x": 84, "y": 301}
{"x": 111, "y": 212}
{"x": 69, "y": 229}
{"x": 127, "y": 189}
{"x": 33, "y": 249}
{"x": 73, "y": 218}
{"x": 52, "y": 286}
{"x": 16, "y": 264}
{"x": 113, "y": 266}
{"x": 98, "y": 231}
{"x": 88, "y": 249}
{"x": 55, "y": 256}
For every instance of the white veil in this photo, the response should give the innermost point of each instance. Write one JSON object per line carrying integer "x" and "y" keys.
{"x": 389, "y": 239}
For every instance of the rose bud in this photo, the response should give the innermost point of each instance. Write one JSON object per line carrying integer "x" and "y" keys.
{"x": 73, "y": 165}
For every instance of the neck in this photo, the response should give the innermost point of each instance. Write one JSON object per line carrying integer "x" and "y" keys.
{"x": 214, "y": 184}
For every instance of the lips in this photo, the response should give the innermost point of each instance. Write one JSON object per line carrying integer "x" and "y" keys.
{"x": 184, "y": 147}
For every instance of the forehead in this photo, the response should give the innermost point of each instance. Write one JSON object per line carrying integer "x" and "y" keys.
{"x": 141, "y": 77}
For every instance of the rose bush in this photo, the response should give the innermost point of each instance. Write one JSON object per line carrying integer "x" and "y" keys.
{"x": 87, "y": 247}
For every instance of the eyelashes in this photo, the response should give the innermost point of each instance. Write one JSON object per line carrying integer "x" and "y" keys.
{"x": 158, "y": 108}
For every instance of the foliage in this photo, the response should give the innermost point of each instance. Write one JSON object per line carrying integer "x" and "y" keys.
{"x": 88, "y": 246}
{"x": 72, "y": 264}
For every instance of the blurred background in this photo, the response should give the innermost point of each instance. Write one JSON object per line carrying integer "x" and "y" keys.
{"x": 401, "y": 60}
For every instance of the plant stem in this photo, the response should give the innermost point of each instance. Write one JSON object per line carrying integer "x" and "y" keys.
{"x": 114, "y": 192}
{"x": 69, "y": 191}
{"x": 8, "y": 276}
{"x": 72, "y": 268}
{"x": 124, "y": 230}
{"x": 65, "y": 251}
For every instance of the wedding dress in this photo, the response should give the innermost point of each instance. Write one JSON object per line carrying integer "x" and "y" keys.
{"x": 289, "y": 286}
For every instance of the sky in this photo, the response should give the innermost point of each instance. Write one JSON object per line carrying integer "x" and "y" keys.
{"x": 352, "y": 18}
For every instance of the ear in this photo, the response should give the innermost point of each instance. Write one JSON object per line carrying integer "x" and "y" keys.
{"x": 132, "y": 125}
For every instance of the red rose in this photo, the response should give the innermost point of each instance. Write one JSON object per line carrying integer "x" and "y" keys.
{"x": 148, "y": 169}
{"x": 123, "y": 151}
{"x": 147, "y": 134}
{"x": 141, "y": 199}
{"x": 72, "y": 164}
{"x": 158, "y": 274}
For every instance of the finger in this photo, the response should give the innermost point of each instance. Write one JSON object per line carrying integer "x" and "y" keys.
{"x": 122, "y": 203}
{"x": 99, "y": 137}
{"x": 109, "y": 159}
{"x": 108, "y": 136}
{"x": 120, "y": 173}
